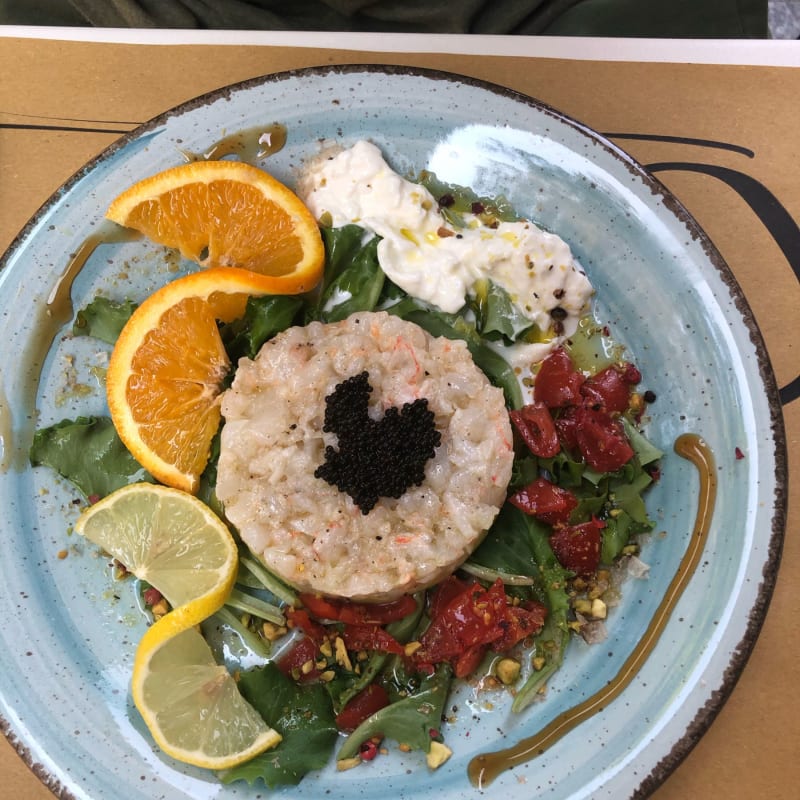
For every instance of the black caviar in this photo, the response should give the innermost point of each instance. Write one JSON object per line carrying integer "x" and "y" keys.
{"x": 375, "y": 458}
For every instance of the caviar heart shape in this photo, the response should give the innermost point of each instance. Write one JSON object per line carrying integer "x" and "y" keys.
{"x": 376, "y": 457}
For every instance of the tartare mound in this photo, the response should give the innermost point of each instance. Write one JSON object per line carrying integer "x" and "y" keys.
{"x": 304, "y": 528}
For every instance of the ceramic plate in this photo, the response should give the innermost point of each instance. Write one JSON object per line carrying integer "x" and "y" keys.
{"x": 70, "y": 630}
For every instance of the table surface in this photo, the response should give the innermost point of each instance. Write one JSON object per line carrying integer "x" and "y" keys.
{"x": 661, "y": 101}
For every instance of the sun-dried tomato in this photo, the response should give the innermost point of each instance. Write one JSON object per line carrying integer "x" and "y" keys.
{"x": 370, "y": 637}
{"x": 558, "y": 383}
{"x": 577, "y": 547}
{"x": 537, "y": 429}
{"x": 545, "y": 501}
{"x": 467, "y": 619}
{"x": 601, "y": 440}
{"x": 610, "y": 389}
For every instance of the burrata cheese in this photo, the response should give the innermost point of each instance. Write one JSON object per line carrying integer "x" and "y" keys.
{"x": 430, "y": 259}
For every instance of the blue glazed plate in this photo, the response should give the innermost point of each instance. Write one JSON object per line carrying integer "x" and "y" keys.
{"x": 70, "y": 630}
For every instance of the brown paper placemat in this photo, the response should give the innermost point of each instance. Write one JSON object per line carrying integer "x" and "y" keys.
{"x": 63, "y": 102}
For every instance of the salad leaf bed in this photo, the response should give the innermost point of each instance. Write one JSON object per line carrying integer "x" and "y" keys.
{"x": 518, "y": 549}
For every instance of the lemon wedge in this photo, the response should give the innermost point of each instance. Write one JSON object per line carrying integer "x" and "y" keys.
{"x": 191, "y": 705}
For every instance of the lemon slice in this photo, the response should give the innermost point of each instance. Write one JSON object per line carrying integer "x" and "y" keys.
{"x": 169, "y": 539}
{"x": 190, "y": 704}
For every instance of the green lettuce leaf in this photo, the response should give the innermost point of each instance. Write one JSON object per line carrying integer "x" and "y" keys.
{"x": 520, "y": 544}
{"x": 646, "y": 451}
{"x": 353, "y": 278}
{"x": 103, "y": 319}
{"x": 496, "y": 316}
{"x": 303, "y": 716}
{"x": 455, "y": 201}
{"x": 616, "y": 535}
{"x": 408, "y": 721}
{"x": 263, "y": 318}
{"x": 87, "y": 452}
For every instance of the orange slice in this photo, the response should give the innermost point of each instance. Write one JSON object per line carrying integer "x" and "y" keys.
{"x": 229, "y": 214}
{"x": 165, "y": 374}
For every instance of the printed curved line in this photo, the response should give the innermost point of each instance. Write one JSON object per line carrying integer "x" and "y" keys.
{"x": 71, "y": 119}
{"x": 654, "y": 137}
{"x": 75, "y": 128}
{"x": 790, "y": 392}
{"x": 775, "y": 218}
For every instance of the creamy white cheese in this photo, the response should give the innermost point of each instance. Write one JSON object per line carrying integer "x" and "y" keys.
{"x": 429, "y": 258}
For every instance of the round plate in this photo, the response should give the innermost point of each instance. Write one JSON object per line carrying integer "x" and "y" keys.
{"x": 70, "y": 630}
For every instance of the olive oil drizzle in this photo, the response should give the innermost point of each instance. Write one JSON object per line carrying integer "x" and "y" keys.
{"x": 483, "y": 769}
{"x": 5, "y": 431}
{"x": 56, "y": 312}
{"x": 249, "y": 144}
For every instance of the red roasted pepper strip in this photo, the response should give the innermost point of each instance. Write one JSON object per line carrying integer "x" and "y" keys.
{"x": 299, "y": 618}
{"x": 303, "y": 651}
{"x": 369, "y": 700}
{"x": 370, "y": 637}
{"x": 353, "y": 613}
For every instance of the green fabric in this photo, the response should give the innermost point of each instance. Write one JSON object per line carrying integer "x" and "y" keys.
{"x": 707, "y": 19}
{"x": 656, "y": 18}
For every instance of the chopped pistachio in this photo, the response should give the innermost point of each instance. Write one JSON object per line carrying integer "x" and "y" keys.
{"x": 342, "y": 656}
{"x": 412, "y": 648}
{"x": 508, "y": 670}
{"x": 599, "y": 609}
{"x": 271, "y": 631}
{"x": 582, "y": 606}
{"x": 160, "y": 608}
{"x": 438, "y": 754}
